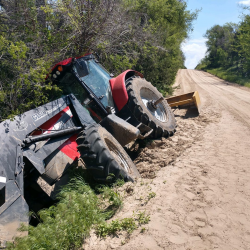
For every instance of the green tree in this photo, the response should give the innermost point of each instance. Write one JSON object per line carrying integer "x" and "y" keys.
{"x": 228, "y": 48}
{"x": 34, "y": 34}
{"x": 244, "y": 46}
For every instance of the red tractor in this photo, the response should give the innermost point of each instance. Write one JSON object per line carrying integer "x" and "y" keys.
{"x": 94, "y": 119}
{"x": 128, "y": 96}
{"x": 128, "y": 106}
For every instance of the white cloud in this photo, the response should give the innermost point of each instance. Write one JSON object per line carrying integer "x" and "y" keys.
{"x": 247, "y": 2}
{"x": 194, "y": 50}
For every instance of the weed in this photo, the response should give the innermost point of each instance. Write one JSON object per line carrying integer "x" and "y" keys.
{"x": 151, "y": 195}
{"x": 66, "y": 224}
{"x": 164, "y": 182}
{"x": 113, "y": 197}
{"x": 119, "y": 183}
{"x": 148, "y": 198}
{"x": 110, "y": 177}
{"x": 110, "y": 200}
{"x": 143, "y": 230}
{"x": 126, "y": 224}
{"x": 123, "y": 242}
{"x": 142, "y": 218}
{"x": 115, "y": 182}
{"x": 129, "y": 225}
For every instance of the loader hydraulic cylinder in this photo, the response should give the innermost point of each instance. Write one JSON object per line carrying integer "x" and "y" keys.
{"x": 31, "y": 139}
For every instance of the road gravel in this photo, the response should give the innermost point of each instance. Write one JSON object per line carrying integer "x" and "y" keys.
{"x": 200, "y": 176}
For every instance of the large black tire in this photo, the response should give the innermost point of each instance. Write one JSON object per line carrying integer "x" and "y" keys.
{"x": 162, "y": 120}
{"x": 103, "y": 155}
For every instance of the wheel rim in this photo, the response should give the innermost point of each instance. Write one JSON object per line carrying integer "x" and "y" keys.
{"x": 121, "y": 160}
{"x": 147, "y": 95}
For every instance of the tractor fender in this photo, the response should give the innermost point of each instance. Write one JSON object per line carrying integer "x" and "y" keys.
{"x": 118, "y": 87}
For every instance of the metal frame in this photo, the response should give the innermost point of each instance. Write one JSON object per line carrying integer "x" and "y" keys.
{"x": 90, "y": 92}
{"x": 15, "y": 146}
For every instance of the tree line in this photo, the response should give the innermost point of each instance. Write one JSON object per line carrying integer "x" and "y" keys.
{"x": 228, "y": 49}
{"x": 144, "y": 35}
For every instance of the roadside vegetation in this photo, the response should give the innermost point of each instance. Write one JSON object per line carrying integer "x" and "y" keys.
{"x": 81, "y": 208}
{"x": 228, "y": 53}
{"x": 143, "y": 35}
{"x": 229, "y": 75}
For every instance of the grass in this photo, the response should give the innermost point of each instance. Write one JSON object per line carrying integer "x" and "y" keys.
{"x": 151, "y": 195}
{"x": 142, "y": 218}
{"x": 126, "y": 224}
{"x": 67, "y": 224}
{"x": 81, "y": 208}
{"x": 105, "y": 229}
{"x": 228, "y": 75}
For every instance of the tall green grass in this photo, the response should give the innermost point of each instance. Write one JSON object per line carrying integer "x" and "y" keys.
{"x": 67, "y": 224}
{"x": 126, "y": 224}
{"x": 229, "y": 75}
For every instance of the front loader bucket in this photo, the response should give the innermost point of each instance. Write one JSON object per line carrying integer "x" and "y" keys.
{"x": 189, "y": 100}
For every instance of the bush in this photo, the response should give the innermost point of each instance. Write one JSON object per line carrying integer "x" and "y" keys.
{"x": 66, "y": 224}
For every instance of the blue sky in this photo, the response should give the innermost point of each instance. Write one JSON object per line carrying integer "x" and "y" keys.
{"x": 213, "y": 12}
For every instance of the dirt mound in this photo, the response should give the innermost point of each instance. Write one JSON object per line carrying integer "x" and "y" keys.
{"x": 160, "y": 153}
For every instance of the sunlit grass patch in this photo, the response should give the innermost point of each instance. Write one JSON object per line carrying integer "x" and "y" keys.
{"x": 81, "y": 207}
{"x": 126, "y": 224}
{"x": 67, "y": 224}
{"x": 229, "y": 75}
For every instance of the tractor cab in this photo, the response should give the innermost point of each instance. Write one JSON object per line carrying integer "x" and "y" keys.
{"x": 88, "y": 81}
{"x": 127, "y": 99}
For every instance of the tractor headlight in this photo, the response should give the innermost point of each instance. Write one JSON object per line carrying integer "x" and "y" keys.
{"x": 60, "y": 68}
{"x": 54, "y": 75}
{"x": 58, "y": 72}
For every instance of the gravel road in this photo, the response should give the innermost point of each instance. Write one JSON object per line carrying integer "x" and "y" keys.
{"x": 200, "y": 176}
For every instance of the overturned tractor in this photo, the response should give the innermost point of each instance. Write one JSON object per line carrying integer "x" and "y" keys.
{"x": 94, "y": 119}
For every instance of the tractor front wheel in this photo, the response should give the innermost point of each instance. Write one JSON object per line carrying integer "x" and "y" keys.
{"x": 104, "y": 157}
{"x": 149, "y": 107}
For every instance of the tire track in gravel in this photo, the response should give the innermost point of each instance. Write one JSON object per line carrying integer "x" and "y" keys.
{"x": 235, "y": 100}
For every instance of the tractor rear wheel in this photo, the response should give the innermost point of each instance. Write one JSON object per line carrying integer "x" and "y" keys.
{"x": 104, "y": 156}
{"x": 142, "y": 96}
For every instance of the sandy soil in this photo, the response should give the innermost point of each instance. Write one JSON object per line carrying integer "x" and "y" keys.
{"x": 200, "y": 176}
